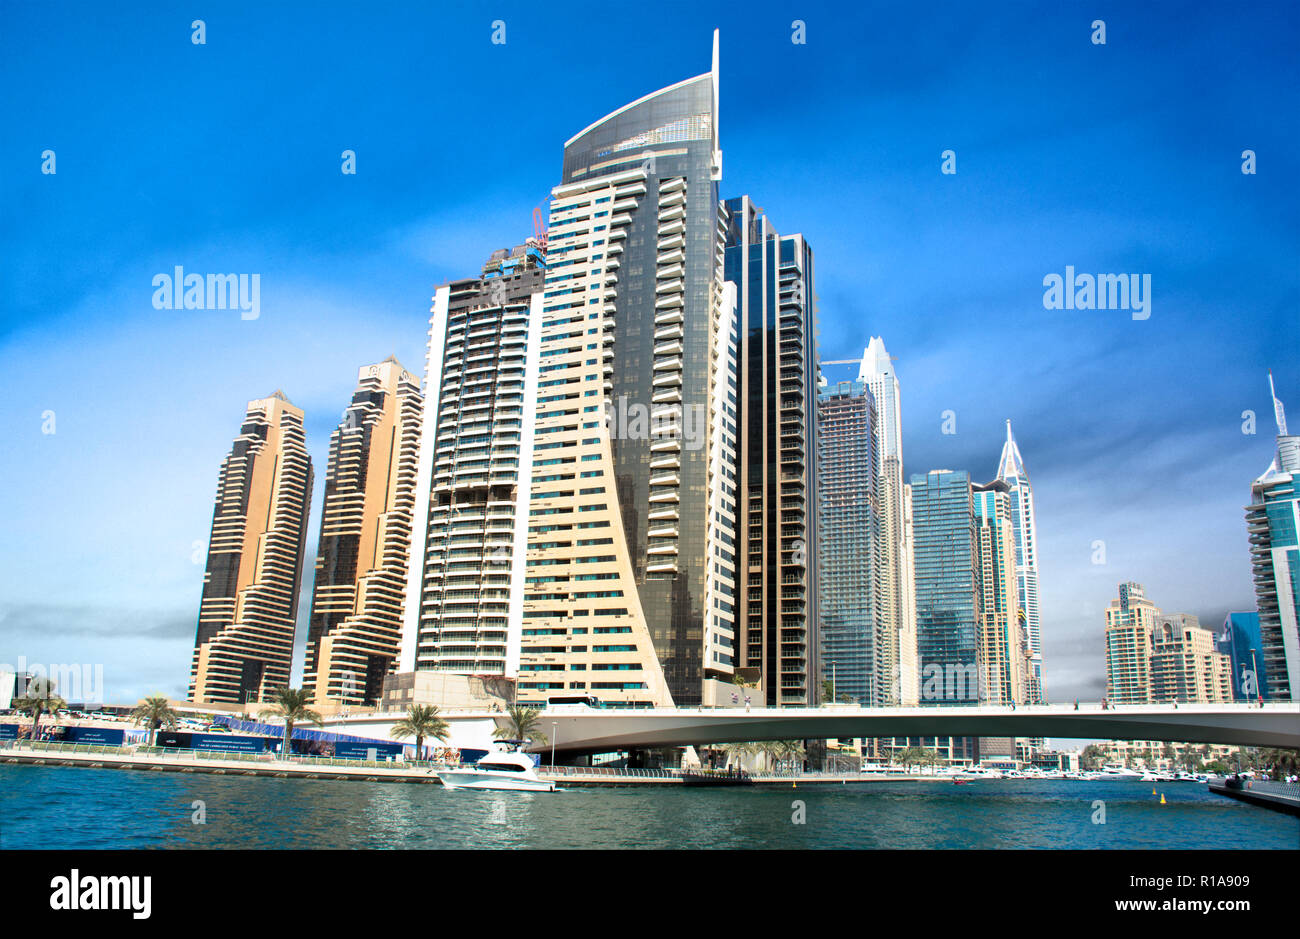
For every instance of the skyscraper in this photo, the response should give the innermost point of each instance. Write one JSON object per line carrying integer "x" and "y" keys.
{"x": 1185, "y": 665}
{"x": 361, "y": 563}
{"x": 1130, "y": 620}
{"x": 1004, "y": 652}
{"x": 243, "y": 648}
{"x": 948, "y": 605}
{"x": 632, "y": 541}
{"x": 1272, "y": 521}
{"x": 858, "y": 651}
{"x": 464, "y": 608}
{"x": 1011, "y": 470}
{"x": 778, "y": 615}
{"x": 897, "y": 605}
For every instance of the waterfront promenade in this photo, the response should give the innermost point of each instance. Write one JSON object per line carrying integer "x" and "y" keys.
{"x": 159, "y": 759}
{"x": 1282, "y": 796}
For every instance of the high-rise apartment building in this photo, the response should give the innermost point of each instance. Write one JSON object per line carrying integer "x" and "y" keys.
{"x": 464, "y": 608}
{"x": 1130, "y": 620}
{"x": 897, "y": 603}
{"x": 778, "y": 618}
{"x": 1011, "y": 470}
{"x": 632, "y": 543}
{"x": 243, "y": 648}
{"x": 858, "y": 650}
{"x": 1185, "y": 665}
{"x": 1273, "y": 521}
{"x": 1005, "y": 663}
{"x": 1154, "y": 657}
{"x": 949, "y": 611}
{"x": 361, "y": 563}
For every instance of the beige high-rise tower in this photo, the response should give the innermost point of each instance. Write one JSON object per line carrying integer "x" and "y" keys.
{"x": 359, "y": 592}
{"x": 244, "y": 644}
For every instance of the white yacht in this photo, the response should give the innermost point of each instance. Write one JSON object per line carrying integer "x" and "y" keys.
{"x": 1116, "y": 771}
{"x": 499, "y": 771}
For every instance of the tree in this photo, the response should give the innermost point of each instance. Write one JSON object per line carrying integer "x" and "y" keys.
{"x": 291, "y": 705}
{"x": 420, "y": 722}
{"x": 522, "y": 723}
{"x": 736, "y": 752}
{"x": 154, "y": 712}
{"x": 828, "y": 690}
{"x": 1091, "y": 757}
{"x": 40, "y": 697}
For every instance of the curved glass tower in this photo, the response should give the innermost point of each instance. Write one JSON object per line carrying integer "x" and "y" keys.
{"x": 631, "y": 591}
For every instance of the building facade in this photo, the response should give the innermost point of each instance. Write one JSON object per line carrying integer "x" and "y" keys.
{"x": 243, "y": 647}
{"x": 949, "y": 609}
{"x": 1004, "y": 656}
{"x": 632, "y": 544}
{"x": 1129, "y": 623}
{"x": 1011, "y": 470}
{"x": 857, "y": 646}
{"x": 359, "y": 592}
{"x": 1185, "y": 665}
{"x": 464, "y": 609}
{"x": 1240, "y": 641}
{"x": 777, "y": 608}
{"x": 897, "y": 601}
{"x": 1272, "y": 522}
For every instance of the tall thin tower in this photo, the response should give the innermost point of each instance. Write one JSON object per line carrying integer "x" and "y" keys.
{"x": 897, "y": 603}
{"x": 243, "y": 647}
{"x": 1011, "y": 470}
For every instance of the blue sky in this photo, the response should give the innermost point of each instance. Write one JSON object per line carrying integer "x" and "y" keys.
{"x": 225, "y": 157}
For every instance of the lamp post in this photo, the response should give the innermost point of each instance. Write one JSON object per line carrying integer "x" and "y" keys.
{"x": 554, "y": 725}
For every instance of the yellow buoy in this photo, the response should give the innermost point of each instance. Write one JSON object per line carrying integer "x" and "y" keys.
{"x": 1162, "y": 798}
{"x": 1153, "y": 792}
{"x": 794, "y": 785}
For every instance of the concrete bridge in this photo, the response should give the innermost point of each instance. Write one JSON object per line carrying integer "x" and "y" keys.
{"x": 577, "y": 731}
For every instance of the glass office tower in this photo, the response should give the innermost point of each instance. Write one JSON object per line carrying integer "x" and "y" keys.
{"x": 948, "y": 614}
{"x": 1011, "y": 470}
{"x": 854, "y": 639}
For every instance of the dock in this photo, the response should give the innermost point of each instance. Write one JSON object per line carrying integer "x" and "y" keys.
{"x": 1279, "y": 796}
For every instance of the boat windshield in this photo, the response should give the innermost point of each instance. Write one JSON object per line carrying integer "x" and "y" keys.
{"x": 501, "y": 767}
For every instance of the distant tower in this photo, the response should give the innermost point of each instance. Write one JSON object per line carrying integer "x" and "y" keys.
{"x": 356, "y": 616}
{"x": 1272, "y": 521}
{"x": 243, "y": 648}
{"x": 898, "y": 607}
{"x": 1011, "y": 470}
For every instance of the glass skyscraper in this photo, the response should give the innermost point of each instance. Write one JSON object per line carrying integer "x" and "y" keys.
{"x": 1272, "y": 521}
{"x": 946, "y": 555}
{"x": 855, "y": 648}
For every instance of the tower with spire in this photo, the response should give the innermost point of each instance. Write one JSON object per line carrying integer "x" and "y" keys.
{"x": 1011, "y": 470}
{"x": 898, "y": 607}
{"x": 1272, "y": 521}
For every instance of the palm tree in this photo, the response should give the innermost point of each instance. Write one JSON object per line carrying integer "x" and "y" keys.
{"x": 154, "y": 712}
{"x": 420, "y": 722}
{"x": 736, "y": 752}
{"x": 290, "y": 704}
{"x": 40, "y": 697}
{"x": 523, "y": 723}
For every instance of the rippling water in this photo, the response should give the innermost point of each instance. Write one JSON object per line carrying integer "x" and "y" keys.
{"x": 64, "y": 807}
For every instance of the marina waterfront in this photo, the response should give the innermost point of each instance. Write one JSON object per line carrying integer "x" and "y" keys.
{"x": 64, "y": 807}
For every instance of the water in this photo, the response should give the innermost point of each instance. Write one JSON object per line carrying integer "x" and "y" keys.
{"x": 67, "y": 807}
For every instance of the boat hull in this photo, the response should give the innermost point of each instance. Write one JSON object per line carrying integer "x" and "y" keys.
{"x": 497, "y": 782}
